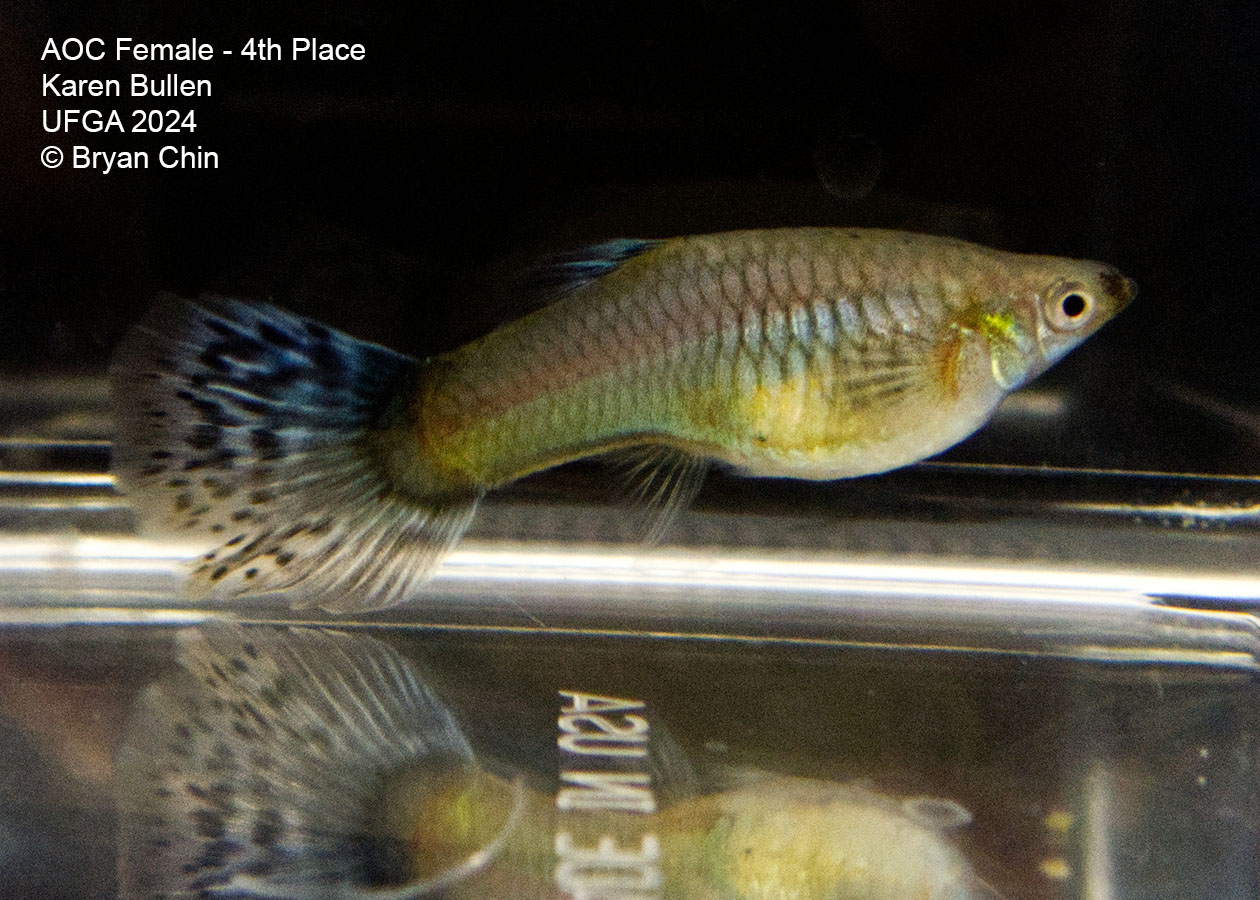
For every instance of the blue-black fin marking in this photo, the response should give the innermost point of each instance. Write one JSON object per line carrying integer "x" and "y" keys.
{"x": 564, "y": 273}
{"x": 255, "y": 769}
{"x": 247, "y": 428}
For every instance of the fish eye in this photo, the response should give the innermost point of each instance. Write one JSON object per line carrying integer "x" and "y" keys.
{"x": 1069, "y": 307}
{"x": 1073, "y": 305}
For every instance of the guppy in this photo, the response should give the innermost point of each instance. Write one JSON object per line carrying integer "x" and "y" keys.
{"x": 342, "y": 472}
{"x": 302, "y": 763}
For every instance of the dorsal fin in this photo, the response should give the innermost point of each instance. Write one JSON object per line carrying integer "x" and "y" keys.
{"x": 566, "y": 272}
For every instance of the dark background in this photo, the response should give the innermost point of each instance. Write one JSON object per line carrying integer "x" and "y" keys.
{"x": 393, "y": 197}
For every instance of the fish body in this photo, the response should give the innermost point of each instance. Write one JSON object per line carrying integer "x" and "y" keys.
{"x": 779, "y": 838}
{"x": 809, "y": 353}
{"x": 299, "y": 763}
{"x": 774, "y": 837}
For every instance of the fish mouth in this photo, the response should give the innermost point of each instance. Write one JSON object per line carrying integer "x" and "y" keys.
{"x": 1120, "y": 288}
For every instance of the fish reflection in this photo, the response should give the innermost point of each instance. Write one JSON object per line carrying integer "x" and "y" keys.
{"x": 304, "y": 763}
{"x": 778, "y": 838}
{"x": 256, "y": 769}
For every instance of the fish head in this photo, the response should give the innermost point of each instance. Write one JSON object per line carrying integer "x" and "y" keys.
{"x": 1057, "y": 305}
{"x": 1051, "y": 306}
{"x": 1076, "y": 302}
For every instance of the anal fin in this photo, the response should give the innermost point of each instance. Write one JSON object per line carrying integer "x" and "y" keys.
{"x": 663, "y": 481}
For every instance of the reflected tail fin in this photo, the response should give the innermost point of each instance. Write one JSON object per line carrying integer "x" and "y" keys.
{"x": 258, "y": 769}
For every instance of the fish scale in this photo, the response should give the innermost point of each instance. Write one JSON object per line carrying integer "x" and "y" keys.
{"x": 767, "y": 288}
{"x": 343, "y": 473}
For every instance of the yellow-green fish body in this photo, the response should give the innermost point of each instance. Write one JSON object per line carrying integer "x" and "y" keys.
{"x": 303, "y": 763}
{"x": 773, "y": 838}
{"x": 317, "y": 464}
{"x": 809, "y": 353}
{"x": 780, "y": 838}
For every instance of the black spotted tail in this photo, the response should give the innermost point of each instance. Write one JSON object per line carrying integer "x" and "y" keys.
{"x": 258, "y": 432}
{"x": 261, "y": 766}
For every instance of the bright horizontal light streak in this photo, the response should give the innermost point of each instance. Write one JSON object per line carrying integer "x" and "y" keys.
{"x": 101, "y": 615}
{"x": 727, "y": 571}
{"x": 58, "y": 479}
{"x": 106, "y": 554}
{"x": 594, "y": 567}
{"x": 1186, "y": 512}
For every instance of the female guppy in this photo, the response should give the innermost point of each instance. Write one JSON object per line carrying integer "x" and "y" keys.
{"x": 303, "y": 764}
{"x": 335, "y": 468}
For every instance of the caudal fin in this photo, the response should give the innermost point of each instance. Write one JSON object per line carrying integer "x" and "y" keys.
{"x": 259, "y": 768}
{"x": 251, "y": 429}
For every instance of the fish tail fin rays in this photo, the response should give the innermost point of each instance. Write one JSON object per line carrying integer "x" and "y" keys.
{"x": 261, "y": 435}
{"x": 256, "y": 769}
